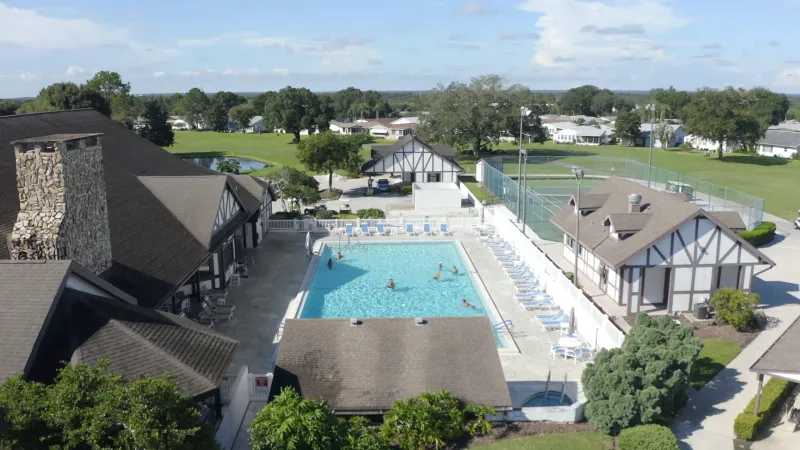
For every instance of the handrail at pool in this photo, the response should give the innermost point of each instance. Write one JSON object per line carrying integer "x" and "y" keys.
{"x": 333, "y": 225}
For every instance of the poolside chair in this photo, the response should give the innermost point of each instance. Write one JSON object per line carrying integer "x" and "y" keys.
{"x": 410, "y": 229}
{"x": 382, "y": 230}
{"x": 535, "y": 305}
{"x": 365, "y": 230}
{"x": 533, "y": 296}
{"x": 516, "y": 269}
{"x": 443, "y": 230}
{"x": 348, "y": 229}
{"x": 550, "y": 325}
{"x": 524, "y": 277}
{"x": 208, "y": 312}
{"x": 426, "y": 229}
{"x": 575, "y": 354}
{"x": 219, "y": 309}
{"x": 560, "y": 315}
{"x": 527, "y": 287}
{"x": 556, "y": 351}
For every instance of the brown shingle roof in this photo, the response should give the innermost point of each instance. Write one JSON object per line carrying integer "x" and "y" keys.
{"x": 629, "y": 223}
{"x": 366, "y": 368}
{"x": 783, "y": 355}
{"x": 731, "y": 219}
{"x": 667, "y": 213}
{"x": 590, "y": 201}
{"x": 27, "y": 293}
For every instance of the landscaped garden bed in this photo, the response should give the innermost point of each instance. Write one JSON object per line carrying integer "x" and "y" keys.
{"x": 530, "y": 436}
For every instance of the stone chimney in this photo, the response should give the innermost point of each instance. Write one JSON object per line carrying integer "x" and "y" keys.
{"x": 63, "y": 213}
{"x": 634, "y": 203}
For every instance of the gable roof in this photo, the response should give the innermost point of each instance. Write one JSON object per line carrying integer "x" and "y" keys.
{"x": 365, "y": 368}
{"x": 731, "y": 219}
{"x": 666, "y": 213}
{"x": 782, "y": 355}
{"x": 145, "y": 235}
{"x": 629, "y": 222}
{"x": 781, "y": 138}
{"x": 382, "y": 151}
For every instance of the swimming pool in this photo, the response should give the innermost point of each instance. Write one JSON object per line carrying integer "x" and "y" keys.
{"x": 356, "y": 285}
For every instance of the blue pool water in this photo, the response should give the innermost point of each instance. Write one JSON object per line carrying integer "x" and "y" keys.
{"x": 356, "y": 285}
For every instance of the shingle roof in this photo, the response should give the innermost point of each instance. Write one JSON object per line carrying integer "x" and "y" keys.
{"x": 731, "y": 219}
{"x": 27, "y": 293}
{"x": 366, "y": 368}
{"x": 667, "y": 213}
{"x": 382, "y": 151}
{"x": 251, "y": 192}
{"x": 152, "y": 251}
{"x": 590, "y": 201}
{"x": 783, "y": 355}
{"x": 781, "y": 138}
{"x": 629, "y": 222}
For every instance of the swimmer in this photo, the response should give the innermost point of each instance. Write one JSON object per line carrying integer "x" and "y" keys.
{"x": 455, "y": 270}
{"x": 466, "y": 304}
{"x": 391, "y": 284}
{"x": 330, "y": 263}
{"x": 441, "y": 265}
{"x": 437, "y": 276}
{"x": 338, "y": 255}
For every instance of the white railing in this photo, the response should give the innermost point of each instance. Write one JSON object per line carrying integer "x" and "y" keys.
{"x": 337, "y": 225}
{"x": 235, "y": 395}
{"x": 594, "y": 325}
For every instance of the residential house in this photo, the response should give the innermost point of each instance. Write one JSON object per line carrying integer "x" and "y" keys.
{"x": 647, "y": 248}
{"x": 56, "y": 312}
{"x": 154, "y": 226}
{"x": 256, "y": 125}
{"x": 579, "y": 134}
{"x": 180, "y": 124}
{"x": 676, "y": 139}
{"x": 348, "y": 128}
{"x": 455, "y": 354}
{"x": 414, "y": 161}
{"x": 709, "y": 145}
{"x": 779, "y": 142}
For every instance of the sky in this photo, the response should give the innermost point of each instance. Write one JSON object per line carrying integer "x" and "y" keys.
{"x": 258, "y": 45}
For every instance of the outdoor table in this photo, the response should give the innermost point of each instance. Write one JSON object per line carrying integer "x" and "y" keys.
{"x": 570, "y": 342}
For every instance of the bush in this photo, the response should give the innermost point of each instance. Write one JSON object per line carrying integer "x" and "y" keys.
{"x": 406, "y": 190}
{"x": 647, "y": 437}
{"x": 345, "y": 216}
{"x": 324, "y": 214}
{"x": 735, "y": 307}
{"x": 760, "y": 235}
{"x": 290, "y": 421}
{"x": 371, "y": 213}
{"x": 286, "y": 215}
{"x": 747, "y": 425}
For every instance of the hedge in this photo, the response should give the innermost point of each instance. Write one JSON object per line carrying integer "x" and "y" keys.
{"x": 647, "y": 437}
{"x": 760, "y": 235}
{"x": 746, "y": 426}
{"x": 371, "y": 213}
{"x": 286, "y": 215}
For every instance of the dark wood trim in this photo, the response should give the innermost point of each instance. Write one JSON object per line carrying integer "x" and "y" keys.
{"x": 708, "y": 265}
{"x": 739, "y": 256}
{"x": 715, "y": 278}
{"x": 692, "y": 292}
{"x": 739, "y": 278}
{"x": 719, "y": 242}
{"x": 671, "y": 289}
{"x": 664, "y": 258}
{"x": 683, "y": 244}
{"x": 222, "y": 266}
{"x": 671, "y": 248}
{"x": 641, "y": 287}
{"x": 735, "y": 244}
{"x": 647, "y": 260}
{"x": 630, "y": 290}
{"x": 620, "y": 284}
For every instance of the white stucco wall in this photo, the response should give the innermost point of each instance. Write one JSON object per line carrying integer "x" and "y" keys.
{"x": 781, "y": 152}
{"x": 436, "y": 195}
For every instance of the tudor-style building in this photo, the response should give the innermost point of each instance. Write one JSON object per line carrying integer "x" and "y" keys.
{"x": 77, "y": 185}
{"x": 414, "y": 161}
{"x": 645, "y": 247}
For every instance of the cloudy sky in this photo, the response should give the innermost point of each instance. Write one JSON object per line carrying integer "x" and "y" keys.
{"x": 257, "y": 45}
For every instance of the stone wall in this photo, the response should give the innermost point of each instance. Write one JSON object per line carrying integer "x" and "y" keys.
{"x": 63, "y": 209}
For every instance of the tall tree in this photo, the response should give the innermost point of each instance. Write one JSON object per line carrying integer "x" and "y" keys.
{"x": 117, "y": 94}
{"x": 358, "y": 109}
{"x": 60, "y": 96}
{"x": 155, "y": 127}
{"x": 328, "y": 152}
{"x": 215, "y": 117}
{"x": 769, "y": 108}
{"x": 261, "y": 101}
{"x": 322, "y": 112}
{"x": 602, "y": 103}
{"x": 290, "y": 183}
{"x": 241, "y": 114}
{"x": 628, "y": 127}
{"x": 8, "y": 107}
{"x": 195, "y": 104}
{"x": 531, "y": 109}
{"x": 578, "y": 100}
{"x": 722, "y": 116}
{"x": 670, "y": 101}
{"x": 292, "y": 110}
{"x": 228, "y": 99}
{"x": 342, "y": 101}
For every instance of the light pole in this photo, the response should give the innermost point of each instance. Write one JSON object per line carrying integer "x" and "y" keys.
{"x": 524, "y": 154}
{"x": 652, "y": 109}
{"x": 578, "y": 172}
{"x": 519, "y": 171}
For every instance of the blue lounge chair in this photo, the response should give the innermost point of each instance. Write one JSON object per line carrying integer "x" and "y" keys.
{"x": 382, "y": 230}
{"x": 426, "y": 229}
{"x": 550, "y": 317}
{"x": 526, "y": 276}
{"x": 575, "y": 354}
{"x": 517, "y": 269}
{"x": 443, "y": 230}
{"x": 535, "y": 305}
{"x": 365, "y": 229}
{"x": 537, "y": 295}
{"x": 548, "y": 325}
{"x": 527, "y": 287}
{"x": 348, "y": 229}
{"x": 410, "y": 229}
{"x": 557, "y": 351}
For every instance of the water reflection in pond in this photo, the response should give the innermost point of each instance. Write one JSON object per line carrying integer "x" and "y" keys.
{"x": 246, "y": 165}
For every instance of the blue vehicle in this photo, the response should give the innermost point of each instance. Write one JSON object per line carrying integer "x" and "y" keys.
{"x": 383, "y": 185}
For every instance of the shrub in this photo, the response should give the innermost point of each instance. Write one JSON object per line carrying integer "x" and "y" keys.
{"x": 570, "y": 276}
{"x": 324, "y": 214}
{"x": 361, "y": 437}
{"x": 642, "y": 380}
{"x": 286, "y": 215}
{"x": 760, "y": 235}
{"x": 371, "y": 213}
{"x": 735, "y": 307}
{"x": 292, "y": 422}
{"x": 430, "y": 420}
{"x": 647, "y": 437}
{"x": 406, "y": 190}
{"x": 747, "y": 425}
{"x": 345, "y": 216}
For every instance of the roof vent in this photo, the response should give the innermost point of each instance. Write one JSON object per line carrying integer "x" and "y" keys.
{"x": 633, "y": 203}
{"x": 420, "y": 321}
{"x": 354, "y": 322}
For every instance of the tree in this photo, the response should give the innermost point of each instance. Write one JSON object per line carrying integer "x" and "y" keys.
{"x": 229, "y": 166}
{"x": 216, "y": 116}
{"x": 768, "y": 107}
{"x": 290, "y": 422}
{"x": 358, "y": 109}
{"x": 579, "y": 121}
{"x": 116, "y": 93}
{"x": 628, "y": 127}
{"x": 155, "y": 127}
{"x": 793, "y": 113}
{"x": 645, "y": 378}
{"x": 321, "y": 112}
{"x": 290, "y": 183}
{"x": 722, "y": 116}
{"x": 8, "y": 107}
{"x": 92, "y": 407}
{"x": 670, "y": 101}
{"x": 228, "y": 99}
{"x": 327, "y": 152}
{"x": 342, "y": 101}
{"x": 292, "y": 109}
{"x": 602, "y": 103}
{"x": 578, "y": 101}
{"x": 61, "y": 96}
{"x": 735, "y": 307}
{"x": 242, "y": 115}
{"x": 194, "y": 105}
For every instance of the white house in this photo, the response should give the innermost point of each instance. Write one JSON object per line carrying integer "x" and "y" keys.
{"x": 676, "y": 139}
{"x": 580, "y": 134}
{"x": 414, "y": 161}
{"x": 553, "y": 128}
{"x": 180, "y": 124}
{"x": 708, "y": 145}
{"x": 405, "y": 120}
{"x": 779, "y": 143}
{"x": 256, "y": 125}
{"x": 646, "y": 248}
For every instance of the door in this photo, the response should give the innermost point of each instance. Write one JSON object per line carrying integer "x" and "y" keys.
{"x": 603, "y": 276}
{"x": 413, "y": 177}
{"x": 654, "y": 280}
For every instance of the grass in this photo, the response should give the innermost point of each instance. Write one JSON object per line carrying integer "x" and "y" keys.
{"x": 716, "y": 354}
{"x": 478, "y": 190}
{"x": 585, "y": 440}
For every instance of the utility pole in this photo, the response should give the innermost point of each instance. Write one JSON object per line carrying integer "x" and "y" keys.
{"x": 578, "y": 172}
{"x": 652, "y": 109}
{"x": 520, "y": 189}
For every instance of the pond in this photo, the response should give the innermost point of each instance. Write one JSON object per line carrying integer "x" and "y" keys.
{"x": 211, "y": 162}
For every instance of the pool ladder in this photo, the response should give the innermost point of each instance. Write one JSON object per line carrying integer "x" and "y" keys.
{"x": 508, "y": 325}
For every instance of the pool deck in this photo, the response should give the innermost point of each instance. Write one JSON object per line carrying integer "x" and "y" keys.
{"x": 280, "y": 266}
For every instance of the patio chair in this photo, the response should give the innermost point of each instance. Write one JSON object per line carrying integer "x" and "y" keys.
{"x": 516, "y": 269}
{"x": 207, "y": 321}
{"x": 365, "y": 230}
{"x": 444, "y": 231}
{"x": 575, "y": 354}
{"x": 534, "y": 305}
{"x": 508, "y": 257}
{"x": 382, "y": 230}
{"x": 220, "y": 310}
{"x": 520, "y": 288}
{"x": 207, "y": 312}
{"x": 551, "y": 325}
{"x": 556, "y": 351}
{"x": 426, "y": 229}
{"x": 550, "y": 317}
{"x": 410, "y": 229}
{"x": 525, "y": 277}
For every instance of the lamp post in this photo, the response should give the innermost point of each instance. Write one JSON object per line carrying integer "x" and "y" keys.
{"x": 524, "y": 155}
{"x": 520, "y": 189}
{"x": 578, "y": 172}
{"x": 652, "y": 109}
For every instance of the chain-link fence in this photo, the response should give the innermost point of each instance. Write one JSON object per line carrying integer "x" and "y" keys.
{"x": 549, "y": 186}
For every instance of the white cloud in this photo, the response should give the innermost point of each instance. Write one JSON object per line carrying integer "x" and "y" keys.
{"x": 27, "y": 76}
{"x": 788, "y": 78}
{"x": 75, "y": 70}
{"x": 213, "y": 40}
{"x": 280, "y": 71}
{"x": 338, "y": 55}
{"x": 158, "y": 74}
{"x": 475, "y": 8}
{"x": 463, "y": 41}
{"x": 570, "y": 30}
{"x": 190, "y": 73}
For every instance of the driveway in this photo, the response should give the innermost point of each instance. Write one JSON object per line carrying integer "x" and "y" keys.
{"x": 706, "y": 422}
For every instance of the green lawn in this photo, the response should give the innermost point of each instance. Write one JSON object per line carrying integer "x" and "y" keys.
{"x": 716, "y": 354}
{"x": 586, "y": 440}
{"x": 478, "y": 190}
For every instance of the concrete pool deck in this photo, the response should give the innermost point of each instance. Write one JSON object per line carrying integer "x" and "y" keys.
{"x": 281, "y": 265}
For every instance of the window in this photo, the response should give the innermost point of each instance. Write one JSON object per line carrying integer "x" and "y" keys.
{"x": 570, "y": 242}
{"x": 435, "y": 177}
{"x": 766, "y": 149}
{"x": 580, "y": 250}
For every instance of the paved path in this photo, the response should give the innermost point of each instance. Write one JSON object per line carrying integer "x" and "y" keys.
{"x": 706, "y": 422}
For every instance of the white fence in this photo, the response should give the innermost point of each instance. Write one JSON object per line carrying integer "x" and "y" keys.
{"x": 590, "y": 321}
{"x": 236, "y": 395}
{"x": 334, "y": 225}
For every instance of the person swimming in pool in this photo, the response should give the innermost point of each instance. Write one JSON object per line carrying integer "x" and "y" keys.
{"x": 441, "y": 266}
{"x": 338, "y": 255}
{"x": 455, "y": 270}
{"x": 330, "y": 263}
{"x": 391, "y": 284}
{"x": 437, "y": 276}
{"x": 467, "y": 304}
